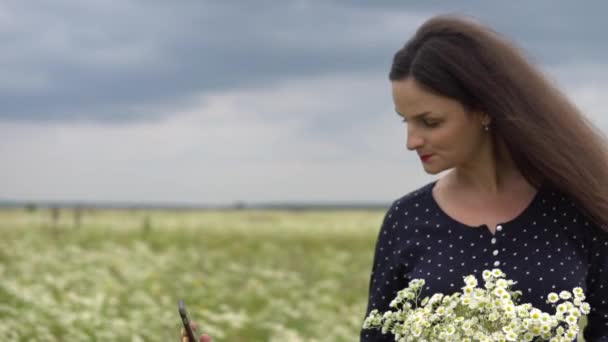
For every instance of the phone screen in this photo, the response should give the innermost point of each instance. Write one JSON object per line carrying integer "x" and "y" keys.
{"x": 185, "y": 320}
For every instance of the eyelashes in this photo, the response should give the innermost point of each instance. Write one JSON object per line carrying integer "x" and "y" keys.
{"x": 427, "y": 124}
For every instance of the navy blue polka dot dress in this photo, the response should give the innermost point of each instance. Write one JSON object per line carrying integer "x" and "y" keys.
{"x": 549, "y": 247}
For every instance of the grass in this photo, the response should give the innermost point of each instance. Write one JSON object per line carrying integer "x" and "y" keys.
{"x": 244, "y": 275}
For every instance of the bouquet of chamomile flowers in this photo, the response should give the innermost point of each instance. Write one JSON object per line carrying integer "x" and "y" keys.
{"x": 479, "y": 314}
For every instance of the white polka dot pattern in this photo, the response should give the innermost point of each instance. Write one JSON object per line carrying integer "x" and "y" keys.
{"x": 550, "y": 246}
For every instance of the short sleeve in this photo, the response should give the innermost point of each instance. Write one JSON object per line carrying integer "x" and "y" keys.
{"x": 387, "y": 276}
{"x": 597, "y": 288}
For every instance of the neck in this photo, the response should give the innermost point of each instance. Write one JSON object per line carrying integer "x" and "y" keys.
{"x": 490, "y": 174}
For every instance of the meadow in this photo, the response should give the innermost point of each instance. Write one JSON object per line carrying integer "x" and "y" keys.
{"x": 245, "y": 275}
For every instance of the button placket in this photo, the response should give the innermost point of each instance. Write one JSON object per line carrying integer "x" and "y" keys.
{"x": 493, "y": 242}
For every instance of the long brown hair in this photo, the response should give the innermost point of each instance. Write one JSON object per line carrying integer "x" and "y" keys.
{"x": 548, "y": 137}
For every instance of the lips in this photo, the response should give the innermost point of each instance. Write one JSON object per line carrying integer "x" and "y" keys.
{"x": 425, "y": 156}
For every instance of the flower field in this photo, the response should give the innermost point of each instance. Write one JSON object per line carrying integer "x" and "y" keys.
{"x": 245, "y": 275}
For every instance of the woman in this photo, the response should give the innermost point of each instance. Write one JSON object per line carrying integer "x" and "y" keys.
{"x": 527, "y": 191}
{"x": 528, "y": 187}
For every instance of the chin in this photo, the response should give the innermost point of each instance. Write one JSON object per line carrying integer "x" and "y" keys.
{"x": 433, "y": 170}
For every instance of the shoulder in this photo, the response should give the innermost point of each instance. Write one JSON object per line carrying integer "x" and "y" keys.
{"x": 561, "y": 206}
{"x": 407, "y": 204}
{"x": 557, "y": 202}
{"x": 411, "y": 201}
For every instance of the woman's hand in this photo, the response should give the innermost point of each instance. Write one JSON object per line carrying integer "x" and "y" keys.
{"x": 202, "y": 338}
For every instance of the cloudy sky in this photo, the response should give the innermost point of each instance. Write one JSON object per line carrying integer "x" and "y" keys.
{"x": 211, "y": 102}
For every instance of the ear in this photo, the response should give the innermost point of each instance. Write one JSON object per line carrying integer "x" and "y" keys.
{"x": 485, "y": 118}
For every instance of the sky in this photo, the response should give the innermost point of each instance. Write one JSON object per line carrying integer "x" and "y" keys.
{"x": 217, "y": 101}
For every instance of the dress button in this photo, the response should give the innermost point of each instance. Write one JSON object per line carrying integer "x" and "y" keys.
{"x": 499, "y": 227}
{"x": 497, "y": 263}
{"x": 495, "y": 252}
{"x": 493, "y": 241}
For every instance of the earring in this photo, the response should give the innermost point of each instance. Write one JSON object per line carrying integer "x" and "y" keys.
{"x": 486, "y": 128}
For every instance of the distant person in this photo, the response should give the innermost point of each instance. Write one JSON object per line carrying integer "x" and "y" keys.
{"x": 527, "y": 190}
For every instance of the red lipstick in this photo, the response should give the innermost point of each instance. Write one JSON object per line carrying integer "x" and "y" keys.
{"x": 425, "y": 157}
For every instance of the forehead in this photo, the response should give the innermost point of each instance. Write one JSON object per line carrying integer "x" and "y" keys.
{"x": 411, "y": 98}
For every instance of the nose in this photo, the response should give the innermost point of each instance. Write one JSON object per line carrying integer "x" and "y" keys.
{"x": 413, "y": 140}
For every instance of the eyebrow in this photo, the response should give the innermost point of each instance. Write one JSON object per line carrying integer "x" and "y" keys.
{"x": 414, "y": 116}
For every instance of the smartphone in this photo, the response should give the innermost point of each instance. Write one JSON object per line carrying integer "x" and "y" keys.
{"x": 181, "y": 308}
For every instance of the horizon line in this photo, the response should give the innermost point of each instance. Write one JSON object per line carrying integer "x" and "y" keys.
{"x": 101, "y": 204}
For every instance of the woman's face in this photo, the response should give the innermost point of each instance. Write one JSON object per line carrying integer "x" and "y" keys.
{"x": 438, "y": 126}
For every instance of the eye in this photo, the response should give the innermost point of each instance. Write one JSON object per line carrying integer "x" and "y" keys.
{"x": 426, "y": 123}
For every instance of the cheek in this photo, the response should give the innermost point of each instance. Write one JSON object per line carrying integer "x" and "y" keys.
{"x": 453, "y": 142}
{"x": 467, "y": 146}
{"x": 444, "y": 139}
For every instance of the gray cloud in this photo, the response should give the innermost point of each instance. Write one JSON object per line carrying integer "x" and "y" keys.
{"x": 104, "y": 62}
{"x": 552, "y": 31}
{"x": 138, "y": 60}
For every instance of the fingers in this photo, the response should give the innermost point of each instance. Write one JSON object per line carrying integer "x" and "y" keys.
{"x": 184, "y": 335}
{"x": 192, "y": 326}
